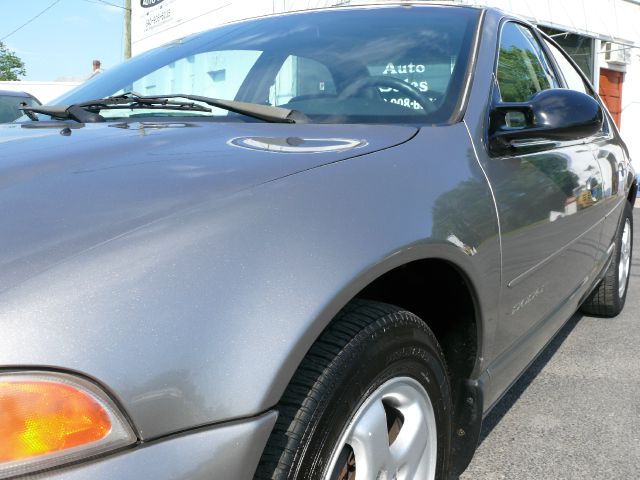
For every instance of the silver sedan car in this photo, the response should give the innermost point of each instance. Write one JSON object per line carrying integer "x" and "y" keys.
{"x": 318, "y": 245}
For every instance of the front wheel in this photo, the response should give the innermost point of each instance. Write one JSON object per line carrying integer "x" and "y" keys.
{"x": 370, "y": 401}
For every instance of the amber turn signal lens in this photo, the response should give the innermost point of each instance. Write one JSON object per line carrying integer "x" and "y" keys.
{"x": 41, "y": 417}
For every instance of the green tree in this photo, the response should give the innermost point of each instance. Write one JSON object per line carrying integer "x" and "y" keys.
{"x": 11, "y": 66}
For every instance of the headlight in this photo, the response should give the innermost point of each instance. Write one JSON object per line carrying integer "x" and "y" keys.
{"x": 48, "y": 419}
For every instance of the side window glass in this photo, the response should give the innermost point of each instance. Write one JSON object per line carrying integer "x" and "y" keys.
{"x": 570, "y": 74}
{"x": 301, "y": 78}
{"x": 523, "y": 69}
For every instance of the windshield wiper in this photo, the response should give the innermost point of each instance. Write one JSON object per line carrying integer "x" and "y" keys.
{"x": 268, "y": 113}
{"x": 63, "y": 112}
{"x": 87, "y": 112}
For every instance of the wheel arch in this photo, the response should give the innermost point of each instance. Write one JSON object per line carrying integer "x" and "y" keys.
{"x": 416, "y": 280}
{"x": 442, "y": 295}
{"x": 418, "y": 283}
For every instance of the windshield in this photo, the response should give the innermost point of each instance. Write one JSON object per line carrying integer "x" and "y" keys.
{"x": 376, "y": 65}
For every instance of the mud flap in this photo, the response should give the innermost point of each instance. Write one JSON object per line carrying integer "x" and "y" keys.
{"x": 466, "y": 427}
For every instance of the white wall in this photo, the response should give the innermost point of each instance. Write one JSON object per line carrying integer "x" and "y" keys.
{"x": 608, "y": 19}
{"x": 43, "y": 91}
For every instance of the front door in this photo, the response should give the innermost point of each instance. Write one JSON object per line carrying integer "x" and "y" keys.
{"x": 548, "y": 200}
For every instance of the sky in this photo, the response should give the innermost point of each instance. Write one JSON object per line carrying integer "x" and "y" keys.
{"x": 65, "y": 39}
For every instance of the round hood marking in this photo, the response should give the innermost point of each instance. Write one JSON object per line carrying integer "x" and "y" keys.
{"x": 297, "y": 144}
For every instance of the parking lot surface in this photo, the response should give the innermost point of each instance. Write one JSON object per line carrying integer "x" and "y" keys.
{"x": 575, "y": 413}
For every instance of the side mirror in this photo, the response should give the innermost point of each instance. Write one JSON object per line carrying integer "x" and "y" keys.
{"x": 551, "y": 115}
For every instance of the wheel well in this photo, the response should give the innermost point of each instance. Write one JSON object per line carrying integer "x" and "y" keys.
{"x": 437, "y": 292}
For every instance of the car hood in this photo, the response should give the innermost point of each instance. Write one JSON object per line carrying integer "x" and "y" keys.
{"x": 65, "y": 188}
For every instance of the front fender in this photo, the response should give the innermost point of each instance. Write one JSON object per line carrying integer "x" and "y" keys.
{"x": 204, "y": 316}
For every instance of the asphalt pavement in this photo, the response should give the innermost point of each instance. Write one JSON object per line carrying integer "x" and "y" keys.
{"x": 575, "y": 413}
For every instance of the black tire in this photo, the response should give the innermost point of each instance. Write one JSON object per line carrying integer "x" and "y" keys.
{"x": 605, "y": 300}
{"x": 369, "y": 344}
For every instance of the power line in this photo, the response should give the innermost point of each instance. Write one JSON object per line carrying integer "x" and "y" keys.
{"x": 29, "y": 21}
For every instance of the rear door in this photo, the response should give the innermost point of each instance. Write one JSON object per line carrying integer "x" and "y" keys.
{"x": 607, "y": 151}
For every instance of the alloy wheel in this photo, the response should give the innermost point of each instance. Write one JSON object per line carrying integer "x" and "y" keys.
{"x": 392, "y": 436}
{"x": 625, "y": 258}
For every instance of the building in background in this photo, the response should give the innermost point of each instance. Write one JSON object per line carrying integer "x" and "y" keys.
{"x": 156, "y": 22}
{"x": 602, "y": 36}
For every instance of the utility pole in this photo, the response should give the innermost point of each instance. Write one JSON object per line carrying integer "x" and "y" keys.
{"x": 127, "y": 29}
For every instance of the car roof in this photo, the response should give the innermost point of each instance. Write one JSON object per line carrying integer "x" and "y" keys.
{"x": 404, "y": 3}
{"x": 497, "y": 11}
{"x": 362, "y": 4}
{"x": 418, "y": 3}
